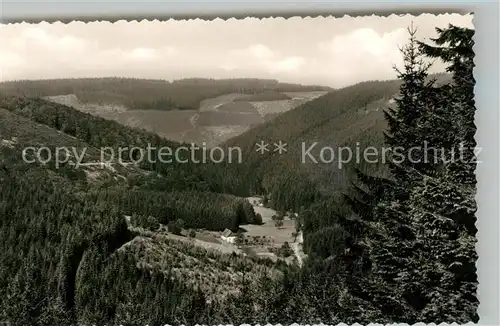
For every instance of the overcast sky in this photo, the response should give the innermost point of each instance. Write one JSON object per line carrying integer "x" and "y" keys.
{"x": 328, "y": 51}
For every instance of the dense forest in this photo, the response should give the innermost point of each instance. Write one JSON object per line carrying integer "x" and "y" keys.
{"x": 386, "y": 243}
{"x": 62, "y": 232}
{"x": 148, "y": 94}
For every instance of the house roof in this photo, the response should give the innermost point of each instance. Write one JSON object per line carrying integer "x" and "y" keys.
{"x": 227, "y": 233}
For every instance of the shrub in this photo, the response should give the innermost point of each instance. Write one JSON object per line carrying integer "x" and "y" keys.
{"x": 239, "y": 238}
{"x": 258, "y": 219}
{"x": 285, "y": 250}
{"x": 174, "y": 227}
{"x": 147, "y": 222}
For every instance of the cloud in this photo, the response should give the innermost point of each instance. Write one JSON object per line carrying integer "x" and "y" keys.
{"x": 367, "y": 41}
{"x": 38, "y": 37}
{"x": 145, "y": 54}
{"x": 46, "y": 52}
{"x": 323, "y": 50}
{"x": 142, "y": 53}
{"x": 365, "y": 50}
{"x": 263, "y": 58}
{"x": 261, "y": 51}
{"x": 288, "y": 64}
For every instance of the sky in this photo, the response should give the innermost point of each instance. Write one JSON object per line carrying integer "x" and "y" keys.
{"x": 326, "y": 51}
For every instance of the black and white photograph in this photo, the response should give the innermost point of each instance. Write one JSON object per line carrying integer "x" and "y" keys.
{"x": 315, "y": 170}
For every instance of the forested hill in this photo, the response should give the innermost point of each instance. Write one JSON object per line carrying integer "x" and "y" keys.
{"x": 148, "y": 93}
{"x": 342, "y": 117}
{"x": 78, "y": 226}
{"x": 315, "y": 185}
{"x": 64, "y": 229}
{"x": 63, "y": 126}
{"x": 348, "y": 117}
{"x": 339, "y": 118}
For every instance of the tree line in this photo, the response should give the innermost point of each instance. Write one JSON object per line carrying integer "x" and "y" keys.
{"x": 147, "y": 94}
{"x": 198, "y": 210}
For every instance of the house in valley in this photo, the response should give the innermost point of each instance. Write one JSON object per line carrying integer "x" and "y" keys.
{"x": 228, "y": 236}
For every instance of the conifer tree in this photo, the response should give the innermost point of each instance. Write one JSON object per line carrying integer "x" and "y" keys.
{"x": 442, "y": 206}
{"x": 402, "y": 135}
{"x": 454, "y": 46}
{"x": 422, "y": 234}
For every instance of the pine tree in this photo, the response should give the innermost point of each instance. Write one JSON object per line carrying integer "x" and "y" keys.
{"x": 384, "y": 216}
{"x": 415, "y": 95}
{"x": 442, "y": 205}
{"x": 422, "y": 234}
{"x": 454, "y": 46}
{"x": 444, "y": 272}
{"x": 420, "y": 225}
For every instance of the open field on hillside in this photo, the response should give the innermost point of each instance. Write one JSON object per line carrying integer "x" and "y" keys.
{"x": 238, "y": 107}
{"x": 257, "y": 239}
{"x": 264, "y": 96}
{"x": 161, "y": 122}
{"x": 212, "y": 104}
{"x": 73, "y": 101}
{"x": 217, "y": 120}
{"x": 18, "y": 133}
{"x": 220, "y": 118}
{"x": 280, "y": 106}
{"x": 213, "y": 270}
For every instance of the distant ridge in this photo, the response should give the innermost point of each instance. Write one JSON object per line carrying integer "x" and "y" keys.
{"x": 148, "y": 93}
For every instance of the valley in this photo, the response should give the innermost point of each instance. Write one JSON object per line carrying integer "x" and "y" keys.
{"x": 267, "y": 239}
{"x": 261, "y": 240}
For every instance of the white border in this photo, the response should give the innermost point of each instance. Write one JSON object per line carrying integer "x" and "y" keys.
{"x": 486, "y": 14}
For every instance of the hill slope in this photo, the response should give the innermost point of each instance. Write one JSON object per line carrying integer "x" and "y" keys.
{"x": 184, "y": 110}
{"x": 145, "y": 93}
{"x": 18, "y": 133}
{"x": 63, "y": 232}
{"x": 350, "y": 117}
{"x": 339, "y": 118}
{"x": 39, "y": 123}
{"x": 216, "y": 120}
{"x": 62, "y": 235}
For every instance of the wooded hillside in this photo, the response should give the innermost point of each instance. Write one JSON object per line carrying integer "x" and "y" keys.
{"x": 145, "y": 94}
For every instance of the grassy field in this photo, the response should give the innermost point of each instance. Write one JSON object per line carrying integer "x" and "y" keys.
{"x": 212, "y": 104}
{"x": 294, "y": 100}
{"x": 160, "y": 122}
{"x": 267, "y": 230}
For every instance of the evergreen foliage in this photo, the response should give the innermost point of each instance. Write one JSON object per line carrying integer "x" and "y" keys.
{"x": 421, "y": 234}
